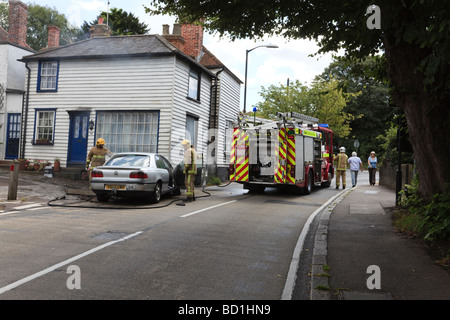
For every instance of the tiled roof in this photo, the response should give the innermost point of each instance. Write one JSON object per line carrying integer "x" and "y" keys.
{"x": 108, "y": 46}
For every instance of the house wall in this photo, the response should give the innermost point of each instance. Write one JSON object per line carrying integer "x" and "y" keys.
{"x": 182, "y": 106}
{"x": 12, "y": 83}
{"x": 16, "y": 69}
{"x": 116, "y": 84}
{"x": 3, "y": 85}
{"x": 228, "y": 111}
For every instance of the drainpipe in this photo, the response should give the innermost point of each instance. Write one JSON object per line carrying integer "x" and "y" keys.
{"x": 214, "y": 126}
{"x": 25, "y": 114}
{"x": 215, "y": 102}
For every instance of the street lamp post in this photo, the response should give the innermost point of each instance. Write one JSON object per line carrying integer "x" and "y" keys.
{"x": 246, "y": 64}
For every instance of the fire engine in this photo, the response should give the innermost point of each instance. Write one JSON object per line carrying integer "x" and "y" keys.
{"x": 294, "y": 152}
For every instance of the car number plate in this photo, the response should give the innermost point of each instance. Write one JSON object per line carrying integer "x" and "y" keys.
{"x": 115, "y": 186}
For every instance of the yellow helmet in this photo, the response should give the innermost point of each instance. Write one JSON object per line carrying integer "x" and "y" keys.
{"x": 100, "y": 141}
{"x": 184, "y": 142}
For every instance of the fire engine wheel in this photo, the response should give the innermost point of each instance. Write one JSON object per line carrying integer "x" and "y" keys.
{"x": 309, "y": 186}
{"x": 327, "y": 183}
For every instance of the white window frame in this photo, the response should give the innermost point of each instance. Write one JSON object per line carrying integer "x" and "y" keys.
{"x": 194, "y": 85}
{"x": 48, "y": 76}
{"x": 191, "y": 133}
{"x": 228, "y": 137}
{"x": 44, "y": 126}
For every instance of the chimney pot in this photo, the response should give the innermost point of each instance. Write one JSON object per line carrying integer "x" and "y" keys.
{"x": 176, "y": 29}
{"x": 165, "y": 29}
{"x": 100, "y": 29}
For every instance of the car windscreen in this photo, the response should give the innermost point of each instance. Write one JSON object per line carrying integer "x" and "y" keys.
{"x": 132, "y": 160}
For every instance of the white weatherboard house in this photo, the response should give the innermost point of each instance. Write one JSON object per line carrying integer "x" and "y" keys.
{"x": 12, "y": 79}
{"x": 139, "y": 93}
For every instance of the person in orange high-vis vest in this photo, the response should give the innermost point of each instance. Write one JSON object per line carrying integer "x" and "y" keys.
{"x": 189, "y": 170}
{"x": 341, "y": 167}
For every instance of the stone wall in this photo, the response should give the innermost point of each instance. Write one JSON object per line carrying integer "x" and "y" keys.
{"x": 387, "y": 175}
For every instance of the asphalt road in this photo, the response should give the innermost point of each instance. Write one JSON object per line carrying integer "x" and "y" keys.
{"x": 230, "y": 245}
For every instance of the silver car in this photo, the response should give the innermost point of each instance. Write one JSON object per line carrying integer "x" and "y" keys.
{"x": 134, "y": 174}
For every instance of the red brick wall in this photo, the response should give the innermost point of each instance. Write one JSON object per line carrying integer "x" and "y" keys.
{"x": 193, "y": 37}
{"x": 18, "y": 22}
{"x": 53, "y": 37}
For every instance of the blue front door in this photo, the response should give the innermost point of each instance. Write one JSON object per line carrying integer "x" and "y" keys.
{"x": 78, "y": 138}
{"x": 13, "y": 136}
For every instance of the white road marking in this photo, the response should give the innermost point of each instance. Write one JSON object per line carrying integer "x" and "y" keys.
{"x": 6, "y": 213}
{"x": 209, "y": 208}
{"x": 27, "y": 206}
{"x": 292, "y": 273}
{"x": 63, "y": 263}
{"x": 39, "y": 208}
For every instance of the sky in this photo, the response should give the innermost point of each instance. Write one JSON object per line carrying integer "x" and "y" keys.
{"x": 265, "y": 66}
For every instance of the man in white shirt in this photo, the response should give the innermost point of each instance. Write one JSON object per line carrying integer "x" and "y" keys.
{"x": 355, "y": 164}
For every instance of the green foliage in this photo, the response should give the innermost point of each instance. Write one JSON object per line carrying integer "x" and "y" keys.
{"x": 121, "y": 23}
{"x": 39, "y": 18}
{"x": 4, "y": 20}
{"x": 330, "y": 102}
{"x": 389, "y": 143}
{"x": 371, "y": 107}
{"x": 437, "y": 219}
{"x": 294, "y": 97}
{"x": 323, "y": 100}
{"x": 423, "y": 24}
{"x": 214, "y": 180}
{"x": 428, "y": 219}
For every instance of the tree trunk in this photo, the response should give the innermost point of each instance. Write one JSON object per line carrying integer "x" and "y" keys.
{"x": 427, "y": 114}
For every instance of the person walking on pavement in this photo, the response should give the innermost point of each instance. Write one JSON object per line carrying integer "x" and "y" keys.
{"x": 372, "y": 161}
{"x": 355, "y": 164}
{"x": 190, "y": 169}
{"x": 97, "y": 156}
{"x": 341, "y": 167}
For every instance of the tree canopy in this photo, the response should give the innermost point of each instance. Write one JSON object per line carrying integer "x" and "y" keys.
{"x": 39, "y": 18}
{"x": 371, "y": 108}
{"x": 121, "y": 23}
{"x": 323, "y": 100}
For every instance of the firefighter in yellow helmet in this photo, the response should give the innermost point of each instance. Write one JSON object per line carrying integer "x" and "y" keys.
{"x": 97, "y": 156}
{"x": 189, "y": 170}
{"x": 341, "y": 167}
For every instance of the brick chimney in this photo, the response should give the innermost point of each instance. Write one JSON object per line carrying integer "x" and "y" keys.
{"x": 18, "y": 23}
{"x": 53, "y": 37}
{"x": 193, "y": 35}
{"x": 175, "y": 38}
{"x": 100, "y": 29}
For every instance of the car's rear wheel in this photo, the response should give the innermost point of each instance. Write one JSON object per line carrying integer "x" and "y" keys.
{"x": 156, "y": 196}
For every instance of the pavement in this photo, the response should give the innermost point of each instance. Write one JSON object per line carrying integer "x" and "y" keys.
{"x": 357, "y": 255}
{"x": 35, "y": 188}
